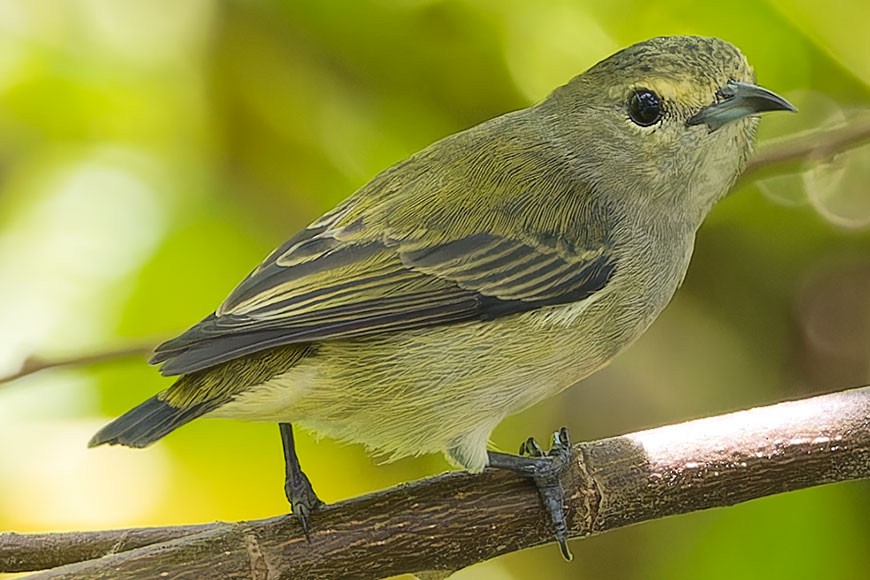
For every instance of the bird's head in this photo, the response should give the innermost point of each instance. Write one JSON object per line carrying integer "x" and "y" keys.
{"x": 669, "y": 120}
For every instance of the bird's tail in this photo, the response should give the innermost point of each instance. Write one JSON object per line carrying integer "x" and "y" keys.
{"x": 146, "y": 423}
{"x": 195, "y": 394}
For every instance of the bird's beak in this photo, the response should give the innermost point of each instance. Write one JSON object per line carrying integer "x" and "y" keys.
{"x": 739, "y": 100}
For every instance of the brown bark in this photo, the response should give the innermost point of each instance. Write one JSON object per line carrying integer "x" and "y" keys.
{"x": 454, "y": 520}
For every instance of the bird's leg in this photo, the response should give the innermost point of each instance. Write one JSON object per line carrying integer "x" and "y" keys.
{"x": 545, "y": 469}
{"x": 297, "y": 488}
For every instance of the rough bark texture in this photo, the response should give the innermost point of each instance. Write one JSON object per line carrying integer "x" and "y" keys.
{"x": 454, "y": 520}
{"x": 27, "y": 552}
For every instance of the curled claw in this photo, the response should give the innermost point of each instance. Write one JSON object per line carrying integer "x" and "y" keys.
{"x": 531, "y": 448}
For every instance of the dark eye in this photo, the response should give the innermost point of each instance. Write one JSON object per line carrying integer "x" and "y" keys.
{"x": 644, "y": 107}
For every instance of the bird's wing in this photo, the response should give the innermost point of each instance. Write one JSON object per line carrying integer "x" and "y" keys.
{"x": 383, "y": 262}
{"x": 318, "y": 288}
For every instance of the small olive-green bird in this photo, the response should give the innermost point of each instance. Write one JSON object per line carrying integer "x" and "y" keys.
{"x": 489, "y": 271}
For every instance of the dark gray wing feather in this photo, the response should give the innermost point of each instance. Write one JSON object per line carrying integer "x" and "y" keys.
{"x": 361, "y": 290}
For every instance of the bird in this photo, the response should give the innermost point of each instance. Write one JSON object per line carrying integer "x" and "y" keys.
{"x": 489, "y": 271}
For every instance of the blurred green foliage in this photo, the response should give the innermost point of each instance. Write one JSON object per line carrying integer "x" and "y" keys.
{"x": 152, "y": 152}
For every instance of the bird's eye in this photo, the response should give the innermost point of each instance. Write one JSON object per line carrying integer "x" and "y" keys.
{"x": 644, "y": 107}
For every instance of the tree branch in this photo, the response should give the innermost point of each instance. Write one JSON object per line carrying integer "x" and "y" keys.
{"x": 454, "y": 520}
{"x": 34, "y": 364}
{"x": 28, "y": 552}
{"x": 811, "y": 146}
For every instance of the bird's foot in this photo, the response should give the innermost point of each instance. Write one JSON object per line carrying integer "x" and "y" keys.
{"x": 546, "y": 470}
{"x": 303, "y": 500}
{"x": 297, "y": 487}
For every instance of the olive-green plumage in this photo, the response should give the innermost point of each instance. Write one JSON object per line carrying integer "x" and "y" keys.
{"x": 491, "y": 270}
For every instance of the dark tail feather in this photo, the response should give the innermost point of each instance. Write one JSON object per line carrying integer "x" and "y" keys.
{"x": 143, "y": 425}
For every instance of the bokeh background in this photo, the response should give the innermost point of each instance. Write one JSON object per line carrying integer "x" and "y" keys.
{"x": 153, "y": 151}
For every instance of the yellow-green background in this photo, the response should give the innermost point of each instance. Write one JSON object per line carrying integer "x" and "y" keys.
{"x": 152, "y": 152}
